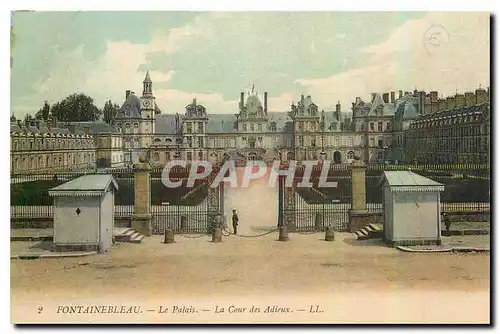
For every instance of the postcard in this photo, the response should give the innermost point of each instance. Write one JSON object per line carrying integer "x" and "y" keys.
{"x": 250, "y": 167}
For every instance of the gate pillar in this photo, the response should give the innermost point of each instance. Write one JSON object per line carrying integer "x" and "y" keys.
{"x": 215, "y": 208}
{"x": 141, "y": 219}
{"x": 288, "y": 204}
{"x": 359, "y": 217}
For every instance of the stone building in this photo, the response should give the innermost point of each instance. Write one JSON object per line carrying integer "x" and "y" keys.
{"x": 457, "y": 130}
{"x": 40, "y": 146}
{"x": 255, "y": 132}
{"x": 372, "y": 121}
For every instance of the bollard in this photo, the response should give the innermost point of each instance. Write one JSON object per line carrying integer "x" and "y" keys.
{"x": 169, "y": 236}
{"x": 217, "y": 235}
{"x": 329, "y": 235}
{"x": 283, "y": 236}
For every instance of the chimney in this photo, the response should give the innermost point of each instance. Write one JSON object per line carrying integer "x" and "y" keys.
{"x": 72, "y": 128}
{"x": 460, "y": 100}
{"x": 52, "y": 123}
{"x": 427, "y": 105}
{"x": 358, "y": 99}
{"x": 385, "y": 97}
{"x": 337, "y": 110}
{"x": 265, "y": 102}
{"x": 242, "y": 99}
{"x": 470, "y": 99}
{"x": 86, "y": 130}
{"x": 441, "y": 104}
{"x": 32, "y": 123}
{"x": 421, "y": 100}
{"x": 481, "y": 96}
{"x": 373, "y": 96}
{"x": 450, "y": 103}
{"x": 434, "y": 106}
{"x": 434, "y": 96}
{"x": 302, "y": 98}
{"x": 393, "y": 97}
{"x": 19, "y": 123}
{"x": 127, "y": 93}
{"x": 407, "y": 93}
{"x": 400, "y": 94}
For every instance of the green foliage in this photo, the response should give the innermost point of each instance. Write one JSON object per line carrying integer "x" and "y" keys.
{"x": 44, "y": 112}
{"x": 76, "y": 108}
{"x": 109, "y": 111}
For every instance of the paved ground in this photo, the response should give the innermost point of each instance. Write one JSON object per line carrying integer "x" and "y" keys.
{"x": 389, "y": 285}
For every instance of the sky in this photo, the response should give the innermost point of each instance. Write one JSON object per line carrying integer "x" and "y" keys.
{"x": 212, "y": 56}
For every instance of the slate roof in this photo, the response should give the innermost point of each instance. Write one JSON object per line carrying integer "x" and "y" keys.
{"x": 165, "y": 124}
{"x": 94, "y": 184}
{"x": 409, "y": 181}
{"x": 95, "y": 128}
{"x": 221, "y": 123}
{"x": 134, "y": 104}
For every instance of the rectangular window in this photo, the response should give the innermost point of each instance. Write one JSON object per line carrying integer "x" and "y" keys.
{"x": 252, "y": 129}
{"x": 260, "y": 127}
{"x": 189, "y": 128}
{"x": 189, "y": 156}
{"x": 301, "y": 126}
{"x": 362, "y": 128}
{"x": 244, "y": 126}
{"x": 200, "y": 141}
{"x": 372, "y": 126}
{"x": 313, "y": 142}
{"x": 190, "y": 141}
{"x": 380, "y": 126}
{"x": 388, "y": 126}
{"x": 301, "y": 140}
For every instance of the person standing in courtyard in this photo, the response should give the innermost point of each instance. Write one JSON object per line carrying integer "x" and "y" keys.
{"x": 235, "y": 221}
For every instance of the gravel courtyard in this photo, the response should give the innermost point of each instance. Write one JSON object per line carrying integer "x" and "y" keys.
{"x": 259, "y": 268}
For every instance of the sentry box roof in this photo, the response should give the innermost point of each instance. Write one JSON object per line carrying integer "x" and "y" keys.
{"x": 409, "y": 181}
{"x": 87, "y": 185}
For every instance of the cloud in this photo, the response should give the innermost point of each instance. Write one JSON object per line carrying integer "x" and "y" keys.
{"x": 408, "y": 59}
{"x": 215, "y": 55}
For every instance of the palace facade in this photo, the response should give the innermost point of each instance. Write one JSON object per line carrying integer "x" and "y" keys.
{"x": 412, "y": 127}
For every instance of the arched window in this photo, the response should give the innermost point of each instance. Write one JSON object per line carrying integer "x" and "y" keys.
{"x": 156, "y": 156}
{"x": 350, "y": 155}
{"x": 272, "y": 126}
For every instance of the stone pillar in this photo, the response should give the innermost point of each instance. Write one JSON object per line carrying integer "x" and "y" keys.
{"x": 141, "y": 219}
{"x": 359, "y": 217}
{"x": 358, "y": 186}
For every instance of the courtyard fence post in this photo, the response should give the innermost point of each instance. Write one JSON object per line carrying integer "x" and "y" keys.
{"x": 359, "y": 216}
{"x": 141, "y": 219}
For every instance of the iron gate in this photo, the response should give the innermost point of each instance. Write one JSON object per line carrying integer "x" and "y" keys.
{"x": 185, "y": 209}
{"x": 313, "y": 208}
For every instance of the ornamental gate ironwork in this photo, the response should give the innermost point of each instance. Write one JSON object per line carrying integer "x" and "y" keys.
{"x": 186, "y": 209}
{"x": 313, "y": 207}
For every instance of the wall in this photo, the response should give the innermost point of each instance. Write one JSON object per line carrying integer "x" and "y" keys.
{"x": 107, "y": 223}
{"x": 70, "y": 228}
{"x": 415, "y": 216}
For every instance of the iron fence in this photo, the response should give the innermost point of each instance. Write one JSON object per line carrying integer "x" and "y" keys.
{"x": 29, "y": 193}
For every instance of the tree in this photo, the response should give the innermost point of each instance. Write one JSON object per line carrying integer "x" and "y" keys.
{"x": 109, "y": 111}
{"x": 43, "y": 112}
{"x": 75, "y": 108}
{"x": 27, "y": 119}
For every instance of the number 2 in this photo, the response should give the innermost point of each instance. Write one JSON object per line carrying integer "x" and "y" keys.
{"x": 40, "y": 308}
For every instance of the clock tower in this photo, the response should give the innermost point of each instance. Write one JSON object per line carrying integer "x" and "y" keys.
{"x": 147, "y": 124}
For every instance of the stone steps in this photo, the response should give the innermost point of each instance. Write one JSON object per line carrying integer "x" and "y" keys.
{"x": 370, "y": 231}
{"x": 128, "y": 235}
